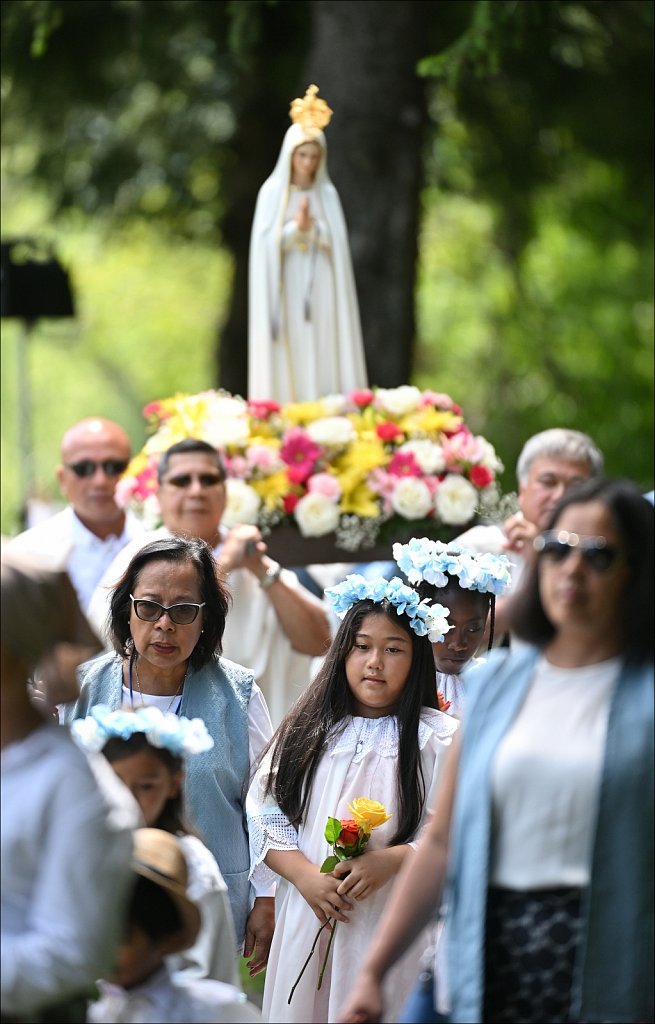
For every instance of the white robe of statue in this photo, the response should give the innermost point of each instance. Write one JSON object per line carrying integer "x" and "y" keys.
{"x": 304, "y": 333}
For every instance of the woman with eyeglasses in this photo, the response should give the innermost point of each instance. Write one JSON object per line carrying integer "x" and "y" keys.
{"x": 543, "y": 829}
{"x": 166, "y": 622}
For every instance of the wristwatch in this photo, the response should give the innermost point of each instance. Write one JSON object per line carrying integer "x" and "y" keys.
{"x": 270, "y": 576}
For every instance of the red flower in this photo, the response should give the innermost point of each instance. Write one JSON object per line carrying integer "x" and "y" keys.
{"x": 300, "y": 454}
{"x": 404, "y": 464}
{"x": 388, "y": 431}
{"x": 349, "y": 833}
{"x": 361, "y": 398}
{"x": 152, "y": 409}
{"x": 262, "y": 409}
{"x": 480, "y": 476}
{"x": 290, "y": 501}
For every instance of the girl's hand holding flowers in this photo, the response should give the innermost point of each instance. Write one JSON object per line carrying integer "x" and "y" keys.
{"x": 360, "y": 878}
{"x": 349, "y": 838}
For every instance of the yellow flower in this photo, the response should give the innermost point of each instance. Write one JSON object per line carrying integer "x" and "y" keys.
{"x": 429, "y": 421}
{"x": 368, "y": 814}
{"x": 272, "y": 489}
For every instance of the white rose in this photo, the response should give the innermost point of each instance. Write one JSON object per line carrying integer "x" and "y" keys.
{"x": 398, "y": 401}
{"x": 226, "y": 431}
{"x": 411, "y": 498}
{"x": 242, "y": 505}
{"x": 333, "y": 405}
{"x": 429, "y": 455}
{"x": 332, "y": 431}
{"x": 316, "y": 515}
{"x": 456, "y": 500}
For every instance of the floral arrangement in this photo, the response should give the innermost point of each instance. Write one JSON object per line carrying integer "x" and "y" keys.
{"x": 345, "y": 464}
{"x": 424, "y": 618}
{"x": 348, "y": 838}
{"x": 432, "y": 561}
{"x": 181, "y": 736}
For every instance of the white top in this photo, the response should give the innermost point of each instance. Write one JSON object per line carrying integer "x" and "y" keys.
{"x": 85, "y": 556}
{"x": 66, "y": 843}
{"x": 173, "y": 1000}
{"x": 361, "y": 761}
{"x": 213, "y": 953}
{"x": 545, "y": 778}
{"x": 453, "y": 687}
{"x": 253, "y": 636}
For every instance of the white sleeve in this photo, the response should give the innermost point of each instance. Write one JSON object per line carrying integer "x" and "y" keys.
{"x": 213, "y": 954}
{"x": 260, "y": 731}
{"x": 268, "y": 828}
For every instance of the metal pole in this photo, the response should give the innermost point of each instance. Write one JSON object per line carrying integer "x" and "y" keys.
{"x": 25, "y": 448}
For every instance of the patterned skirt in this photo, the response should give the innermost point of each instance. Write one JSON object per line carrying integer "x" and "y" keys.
{"x": 531, "y": 944}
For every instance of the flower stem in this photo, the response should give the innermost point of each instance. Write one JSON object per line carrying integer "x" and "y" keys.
{"x": 327, "y": 953}
{"x": 311, "y": 953}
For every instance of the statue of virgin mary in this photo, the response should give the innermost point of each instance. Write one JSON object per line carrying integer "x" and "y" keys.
{"x": 304, "y": 333}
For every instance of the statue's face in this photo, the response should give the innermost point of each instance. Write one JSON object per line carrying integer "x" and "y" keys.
{"x": 304, "y": 163}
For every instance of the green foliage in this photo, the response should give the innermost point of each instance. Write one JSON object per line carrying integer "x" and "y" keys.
{"x": 148, "y": 308}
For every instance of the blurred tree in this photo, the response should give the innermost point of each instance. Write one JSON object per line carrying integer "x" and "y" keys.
{"x": 538, "y": 115}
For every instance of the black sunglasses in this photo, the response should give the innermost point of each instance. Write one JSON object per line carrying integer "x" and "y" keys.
{"x": 87, "y": 467}
{"x": 557, "y": 545}
{"x": 152, "y": 611}
{"x": 186, "y": 479}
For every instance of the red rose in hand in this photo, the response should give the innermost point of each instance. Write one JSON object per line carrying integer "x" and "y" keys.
{"x": 349, "y": 833}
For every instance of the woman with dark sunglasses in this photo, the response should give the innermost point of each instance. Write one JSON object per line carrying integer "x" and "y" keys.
{"x": 544, "y": 822}
{"x": 166, "y": 622}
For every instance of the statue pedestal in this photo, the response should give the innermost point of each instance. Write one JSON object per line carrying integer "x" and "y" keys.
{"x": 288, "y": 546}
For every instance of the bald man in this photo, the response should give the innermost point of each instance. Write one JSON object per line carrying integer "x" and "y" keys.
{"x": 86, "y": 536}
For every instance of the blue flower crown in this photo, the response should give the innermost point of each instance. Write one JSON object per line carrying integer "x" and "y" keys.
{"x": 426, "y": 619}
{"x": 434, "y": 561}
{"x": 181, "y": 736}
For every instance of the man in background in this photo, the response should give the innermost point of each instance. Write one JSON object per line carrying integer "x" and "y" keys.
{"x": 86, "y": 536}
{"x": 550, "y": 462}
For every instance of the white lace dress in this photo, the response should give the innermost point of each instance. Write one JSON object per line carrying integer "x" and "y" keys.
{"x": 360, "y": 761}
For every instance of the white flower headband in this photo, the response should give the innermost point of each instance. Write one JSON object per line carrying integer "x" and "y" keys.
{"x": 434, "y": 561}
{"x": 181, "y": 736}
{"x": 425, "y": 619}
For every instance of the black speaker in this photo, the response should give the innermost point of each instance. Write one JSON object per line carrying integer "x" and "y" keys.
{"x": 33, "y": 284}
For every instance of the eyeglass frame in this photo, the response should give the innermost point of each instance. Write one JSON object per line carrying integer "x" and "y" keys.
{"x": 183, "y": 480}
{"x": 110, "y": 467}
{"x": 166, "y": 609}
{"x": 558, "y": 545}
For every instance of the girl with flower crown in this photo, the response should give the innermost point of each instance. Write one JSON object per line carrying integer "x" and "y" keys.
{"x": 368, "y": 727}
{"x": 468, "y": 584}
{"x": 147, "y": 748}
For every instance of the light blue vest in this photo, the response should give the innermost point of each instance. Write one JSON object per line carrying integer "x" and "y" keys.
{"x": 614, "y": 973}
{"x": 214, "y": 788}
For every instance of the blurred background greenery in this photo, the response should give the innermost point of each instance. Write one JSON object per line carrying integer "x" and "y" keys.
{"x": 495, "y": 169}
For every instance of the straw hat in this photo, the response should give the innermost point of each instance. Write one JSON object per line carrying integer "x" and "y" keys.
{"x": 158, "y": 855}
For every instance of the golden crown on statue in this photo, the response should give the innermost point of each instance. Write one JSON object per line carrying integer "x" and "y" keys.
{"x": 310, "y": 112}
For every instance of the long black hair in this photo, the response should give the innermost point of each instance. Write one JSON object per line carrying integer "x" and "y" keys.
{"x": 300, "y": 740}
{"x": 632, "y": 516}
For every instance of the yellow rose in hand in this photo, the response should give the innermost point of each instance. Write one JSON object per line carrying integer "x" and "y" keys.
{"x": 368, "y": 814}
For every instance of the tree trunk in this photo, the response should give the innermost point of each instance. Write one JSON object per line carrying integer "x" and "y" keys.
{"x": 363, "y": 60}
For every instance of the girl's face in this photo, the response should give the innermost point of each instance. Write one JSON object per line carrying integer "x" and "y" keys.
{"x": 150, "y": 782}
{"x": 137, "y": 959}
{"x": 576, "y": 594}
{"x": 468, "y": 615}
{"x": 377, "y": 666}
{"x": 304, "y": 163}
